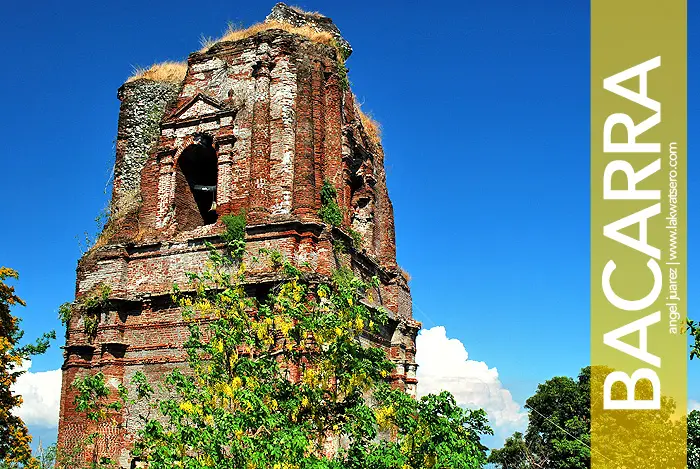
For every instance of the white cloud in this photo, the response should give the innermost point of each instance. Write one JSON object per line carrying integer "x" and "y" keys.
{"x": 41, "y": 392}
{"x": 443, "y": 364}
{"x": 693, "y": 405}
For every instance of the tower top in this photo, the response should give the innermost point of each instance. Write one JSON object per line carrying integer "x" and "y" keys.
{"x": 258, "y": 121}
{"x": 298, "y": 18}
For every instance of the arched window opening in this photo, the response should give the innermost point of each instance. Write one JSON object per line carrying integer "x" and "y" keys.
{"x": 195, "y": 184}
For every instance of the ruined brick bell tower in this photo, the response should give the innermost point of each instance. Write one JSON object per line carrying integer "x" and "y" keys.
{"x": 256, "y": 122}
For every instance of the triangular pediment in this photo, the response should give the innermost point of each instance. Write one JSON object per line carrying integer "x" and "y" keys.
{"x": 199, "y": 106}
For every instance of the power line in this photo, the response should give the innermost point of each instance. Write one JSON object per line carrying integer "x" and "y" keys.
{"x": 572, "y": 436}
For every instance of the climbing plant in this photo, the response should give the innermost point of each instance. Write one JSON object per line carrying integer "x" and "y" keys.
{"x": 97, "y": 404}
{"x": 234, "y": 236}
{"x": 356, "y": 236}
{"x": 342, "y": 54}
{"x": 330, "y": 211}
{"x": 90, "y": 307}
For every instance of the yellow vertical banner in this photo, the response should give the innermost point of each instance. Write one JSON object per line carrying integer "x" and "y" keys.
{"x": 638, "y": 234}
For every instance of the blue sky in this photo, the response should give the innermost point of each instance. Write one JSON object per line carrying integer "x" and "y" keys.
{"x": 484, "y": 107}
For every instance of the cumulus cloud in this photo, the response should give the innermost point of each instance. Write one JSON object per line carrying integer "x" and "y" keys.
{"x": 693, "y": 405}
{"x": 41, "y": 392}
{"x": 443, "y": 364}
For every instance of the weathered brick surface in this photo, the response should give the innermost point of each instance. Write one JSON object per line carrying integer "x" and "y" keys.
{"x": 280, "y": 123}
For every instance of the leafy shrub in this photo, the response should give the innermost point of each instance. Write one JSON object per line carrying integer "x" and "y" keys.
{"x": 234, "y": 236}
{"x": 330, "y": 212}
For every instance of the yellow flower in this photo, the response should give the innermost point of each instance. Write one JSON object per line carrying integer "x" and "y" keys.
{"x": 187, "y": 407}
{"x": 359, "y": 323}
{"x": 383, "y": 415}
{"x": 284, "y": 327}
{"x": 338, "y": 331}
{"x": 236, "y": 383}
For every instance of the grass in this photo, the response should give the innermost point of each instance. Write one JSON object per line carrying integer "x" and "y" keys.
{"x": 128, "y": 203}
{"x": 300, "y": 10}
{"x": 173, "y": 72}
{"x": 371, "y": 126}
{"x": 146, "y": 234}
{"x": 237, "y": 32}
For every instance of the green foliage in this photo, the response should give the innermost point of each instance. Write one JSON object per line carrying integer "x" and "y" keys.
{"x": 90, "y": 325}
{"x": 339, "y": 246}
{"x": 89, "y": 307}
{"x": 234, "y": 236}
{"x": 434, "y": 431}
{"x": 98, "y": 403}
{"x": 357, "y": 240}
{"x": 513, "y": 455}
{"x": 342, "y": 54}
{"x": 65, "y": 313}
{"x": 271, "y": 381}
{"x": 330, "y": 212}
{"x": 626, "y": 433}
{"x": 558, "y": 431}
{"x": 15, "y": 451}
{"x": 343, "y": 76}
{"x": 92, "y": 397}
{"x": 694, "y": 440}
{"x": 275, "y": 257}
{"x": 693, "y": 329}
{"x": 96, "y": 298}
{"x": 45, "y": 457}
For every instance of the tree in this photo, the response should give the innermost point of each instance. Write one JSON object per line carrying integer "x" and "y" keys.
{"x": 558, "y": 431}
{"x": 281, "y": 380}
{"x": 693, "y": 329}
{"x": 559, "y": 428}
{"x": 694, "y": 439}
{"x": 14, "y": 437}
{"x": 693, "y": 442}
{"x": 45, "y": 457}
{"x": 513, "y": 455}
